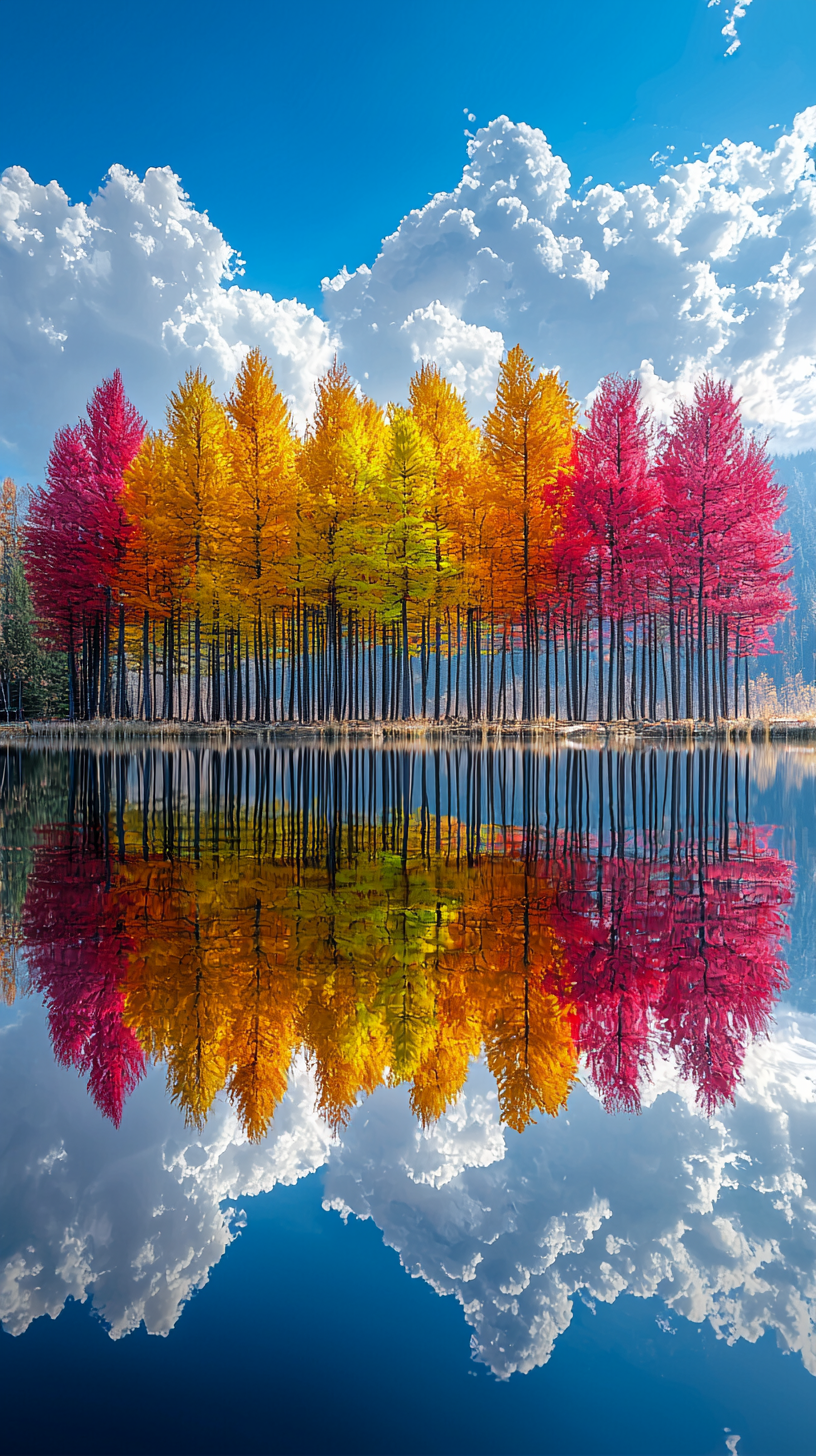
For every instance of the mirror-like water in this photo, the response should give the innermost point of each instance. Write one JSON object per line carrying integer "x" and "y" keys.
{"x": 543, "y": 1021}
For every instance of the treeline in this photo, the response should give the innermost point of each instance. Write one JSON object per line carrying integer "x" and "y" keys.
{"x": 395, "y": 915}
{"x": 404, "y": 564}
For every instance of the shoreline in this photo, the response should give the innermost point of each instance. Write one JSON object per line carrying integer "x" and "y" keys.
{"x": 62, "y": 733}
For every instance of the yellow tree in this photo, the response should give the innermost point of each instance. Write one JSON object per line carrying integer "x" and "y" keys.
{"x": 442, "y": 1073}
{"x": 266, "y": 998}
{"x": 339, "y": 463}
{"x": 153, "y": 572}
{"x": 527, "y": 447}
{"x": 406, "y": 492}
{"x": 262, "y": 457}
{"x": 202, "y": 509}
{"x": 178, "y": 983}
{"x": 443, "y": 419}
{"x": 527, "y": 1032}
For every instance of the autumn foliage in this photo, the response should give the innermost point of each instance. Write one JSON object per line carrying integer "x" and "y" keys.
{"x": 404, "y": 564}
{"x": 394, "y": 918}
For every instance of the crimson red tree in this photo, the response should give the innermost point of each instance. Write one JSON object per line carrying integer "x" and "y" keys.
{"x": 77, "y": 948}
{"x": 724, "y": 970}
{"x": 610, "y": 541}
{"x": 76, "y": 540}
{"x": 726, "y": 579}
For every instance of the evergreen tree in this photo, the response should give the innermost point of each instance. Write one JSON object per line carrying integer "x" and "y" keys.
{"x": 33, "y": 681}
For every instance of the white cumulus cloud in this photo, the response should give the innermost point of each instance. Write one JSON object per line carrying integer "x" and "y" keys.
{"x": 136, "y": 279}
{"x": 711, "y": 266}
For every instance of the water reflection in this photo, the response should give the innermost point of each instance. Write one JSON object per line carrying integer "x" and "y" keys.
{"x": 714, "y": 1217}
{"x": 475, "y": 938}
{"x": 394, "y": 913}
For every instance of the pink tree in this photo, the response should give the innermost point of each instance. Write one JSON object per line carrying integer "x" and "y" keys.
{"x": 612, "y": 517}
{"x": 726, "y": 577}
{"x": 609, "y": 922}
{"x": 77, "y": 951}
{"x": 723, "y": 963}
{"x": 76, "y": 540}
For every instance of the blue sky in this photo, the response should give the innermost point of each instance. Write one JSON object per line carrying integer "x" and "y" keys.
{"x": 303, "y": 136}
{"x": 307, "y": 132}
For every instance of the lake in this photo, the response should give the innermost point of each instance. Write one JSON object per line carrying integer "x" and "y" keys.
{"x": 455, "y": 1097}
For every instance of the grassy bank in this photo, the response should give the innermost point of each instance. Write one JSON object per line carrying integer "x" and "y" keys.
{"x": 61, "y": 733}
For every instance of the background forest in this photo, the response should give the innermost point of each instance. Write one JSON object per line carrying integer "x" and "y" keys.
{"x": 795, "y": 638}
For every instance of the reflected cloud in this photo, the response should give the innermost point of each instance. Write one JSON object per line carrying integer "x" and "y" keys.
{"x": 135, "y": 1218}
{"x": 714, "y": 1217}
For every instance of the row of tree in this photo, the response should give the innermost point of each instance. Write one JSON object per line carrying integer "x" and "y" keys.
{"x": 404, "y": 564}
{"x": 395, "y": 916}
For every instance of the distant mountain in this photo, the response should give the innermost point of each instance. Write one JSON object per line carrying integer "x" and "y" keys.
{"x": 796, "y": 639}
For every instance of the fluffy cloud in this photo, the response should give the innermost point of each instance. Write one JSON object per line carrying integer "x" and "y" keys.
{"x": 136, "y": 279}
{"x": 717, "y": 1219}
{"x": 134, "y": 1218}
{"x": 712, "y": 266}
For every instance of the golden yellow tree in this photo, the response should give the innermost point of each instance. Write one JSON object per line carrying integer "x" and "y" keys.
{"x": 410, "y": 573}
{"x": 442, "y": 416}
{"x": 339, "y": 464}
{"x": 527, "y": 447}
{"x": 202, "y": 518}
{"x": 155, "y": 570}
{"x": 266, "y": 999}
{"x": 262, "y": 449}
{"x": 178, "y": 982}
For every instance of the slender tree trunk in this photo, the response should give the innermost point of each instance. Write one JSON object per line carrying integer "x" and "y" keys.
{"x": 469, "y": 664}
{"x": 491, "y": 656}
{"x": 274, "y": 714}
{"x": 611, "y": 672}
{"x": 547, "y": 697}
{"x": 600, "y": 648}
{"x": 448, "y": 693}
{"x": 567, "y": 684}
{"x": 673, "y": 710}
{"x": 305, "y": 698}
{"x": 438, "y": 669}
{"x": 197, "y": 646}
{"x": 71, "y": 674}
{"x": 105, "y": 704}
{"x": 384, "y": 685}
{"x": 458, "y": 659}
{"x": 406, "y": 661}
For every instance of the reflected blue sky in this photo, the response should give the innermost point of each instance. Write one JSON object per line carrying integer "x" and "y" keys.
{"x": 543, "y": 1240}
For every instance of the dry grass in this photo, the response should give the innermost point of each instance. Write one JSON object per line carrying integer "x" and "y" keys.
{"x": 777, "y": 712}
{"x": 794, "y": 699}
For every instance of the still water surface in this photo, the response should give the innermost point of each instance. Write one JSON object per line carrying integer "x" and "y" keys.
{"x": 285, "y": 1023}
